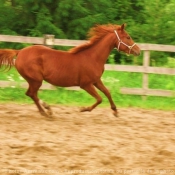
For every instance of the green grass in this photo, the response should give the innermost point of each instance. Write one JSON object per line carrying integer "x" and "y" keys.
{"x": 112, "y": 79}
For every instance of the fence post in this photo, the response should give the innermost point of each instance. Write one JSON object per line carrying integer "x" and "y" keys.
{"x": 146, "y": 63}
{"x": 49, "y": 40}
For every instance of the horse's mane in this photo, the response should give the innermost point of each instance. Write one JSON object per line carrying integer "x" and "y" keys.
{"x": 94, "y": 34}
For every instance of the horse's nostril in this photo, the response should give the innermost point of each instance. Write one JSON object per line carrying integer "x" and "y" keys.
{"x": 138, "y": 53}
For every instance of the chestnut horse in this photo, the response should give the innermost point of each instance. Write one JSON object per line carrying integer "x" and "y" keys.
{"x": 81, "y": 66}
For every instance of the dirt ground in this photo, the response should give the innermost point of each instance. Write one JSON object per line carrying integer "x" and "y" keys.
{"x": 138, "y": 142}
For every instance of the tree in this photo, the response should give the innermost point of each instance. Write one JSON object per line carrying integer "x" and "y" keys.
{"x": 147, "y": 21}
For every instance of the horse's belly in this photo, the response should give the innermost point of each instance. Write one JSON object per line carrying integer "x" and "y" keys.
{"x": 63, "y": 82}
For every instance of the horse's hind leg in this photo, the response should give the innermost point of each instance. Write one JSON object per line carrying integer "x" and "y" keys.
{"x": 32, "y": 92}
{"x": 91, "y": 90}
{"x": 46, "y": 106}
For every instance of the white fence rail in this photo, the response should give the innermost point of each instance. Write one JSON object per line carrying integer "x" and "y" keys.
{"x": 145, "y": 69}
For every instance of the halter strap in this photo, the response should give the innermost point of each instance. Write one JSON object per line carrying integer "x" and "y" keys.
{"x": 121, "y": 42}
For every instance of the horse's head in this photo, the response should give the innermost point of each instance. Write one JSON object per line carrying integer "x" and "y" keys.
{"x": 125, "y": 43}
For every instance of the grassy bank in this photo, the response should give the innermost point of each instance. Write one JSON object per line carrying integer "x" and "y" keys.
{"x": 81, "y": 98}
{"x": 113, "y": 80}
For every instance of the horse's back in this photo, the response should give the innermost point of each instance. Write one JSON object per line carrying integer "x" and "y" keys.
{"x": 30, "y": 53}
{"x": 38, "y": 52}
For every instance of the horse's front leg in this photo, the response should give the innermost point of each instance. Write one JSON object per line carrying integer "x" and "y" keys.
{"x": 102, "y": 88}
{"x": 92, "y": 91}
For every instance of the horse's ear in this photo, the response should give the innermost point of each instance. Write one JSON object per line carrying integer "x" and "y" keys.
{"x": 123, "y": 26}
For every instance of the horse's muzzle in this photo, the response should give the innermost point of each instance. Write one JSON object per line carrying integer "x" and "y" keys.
{"x": 136, "y": 51}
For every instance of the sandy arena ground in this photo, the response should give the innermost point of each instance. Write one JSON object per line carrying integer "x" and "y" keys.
{"x": 138, "y": 142}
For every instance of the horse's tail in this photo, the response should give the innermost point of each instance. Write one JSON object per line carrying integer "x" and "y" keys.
{"x": 7, "y": 58}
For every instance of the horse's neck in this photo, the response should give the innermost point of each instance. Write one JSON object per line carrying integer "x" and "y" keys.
{"x": 101, "y": 50}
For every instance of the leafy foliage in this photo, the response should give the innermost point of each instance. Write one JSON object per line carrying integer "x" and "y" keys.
{"x": 148, "y": 21}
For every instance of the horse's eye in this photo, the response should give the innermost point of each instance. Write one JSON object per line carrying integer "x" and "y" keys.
{"x": 128, "y": 37}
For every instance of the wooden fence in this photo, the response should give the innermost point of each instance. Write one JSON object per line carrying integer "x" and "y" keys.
{"x": 145, "y": 69}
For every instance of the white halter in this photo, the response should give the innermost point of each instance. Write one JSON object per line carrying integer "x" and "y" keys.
{"x": 121, "y": 42}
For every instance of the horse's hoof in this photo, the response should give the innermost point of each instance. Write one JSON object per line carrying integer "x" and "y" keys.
{"x": 50, "y": 113}
{"x": 115, "y": 113}
{"x": 84, "y": 109}
{"x": 50, "y": 118}
{"x": 45, "y": 114}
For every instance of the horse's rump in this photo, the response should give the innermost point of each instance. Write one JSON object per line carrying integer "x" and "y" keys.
{"x": 54, "y": 66}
